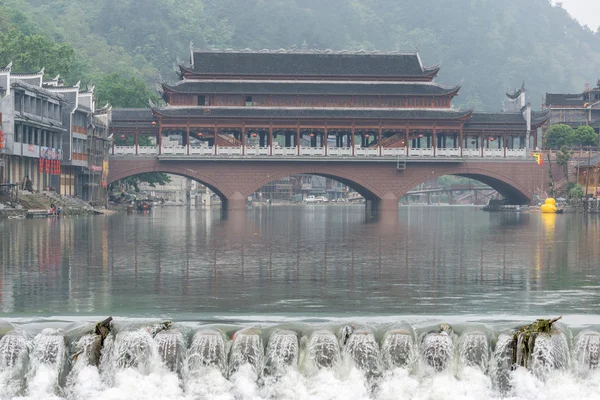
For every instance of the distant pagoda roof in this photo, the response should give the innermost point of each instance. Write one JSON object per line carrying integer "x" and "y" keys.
{"x": 312, "y": 87}
{"x": 517, "y": 93}
{"x": 301, "y": 112}
{"x": 570, "y": 100}
{"x": 305, "y": 63}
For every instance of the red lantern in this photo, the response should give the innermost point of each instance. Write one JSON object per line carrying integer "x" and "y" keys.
{"x": 472, "y": 142}
{"x": 492, "y": 139}
{"x": 1, "y": 139}
{"x": 200, "y": 134}
{"x": 254, "y": 135}
{"x": 420, "y": 136}
{"x": 312, "y": 135}
{"x": 123, "y": 137}
{"x": 367, "y": 136}
{"x": 153, "y": 123}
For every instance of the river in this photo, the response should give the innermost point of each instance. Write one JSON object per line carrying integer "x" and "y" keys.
{"x": 301, "y": 267}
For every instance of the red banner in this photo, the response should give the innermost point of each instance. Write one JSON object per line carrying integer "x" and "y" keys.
{"x": 41, "y": 162}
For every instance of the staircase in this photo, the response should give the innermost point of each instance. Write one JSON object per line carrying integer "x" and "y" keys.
{"x": 393, "y": 141}
{"x": 226, "y": 140}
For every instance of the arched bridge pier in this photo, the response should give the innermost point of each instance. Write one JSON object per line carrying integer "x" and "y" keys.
{"x": 380, "y": 181}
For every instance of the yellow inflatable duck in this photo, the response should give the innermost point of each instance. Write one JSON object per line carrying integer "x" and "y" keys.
{"x": 549, "y": 207}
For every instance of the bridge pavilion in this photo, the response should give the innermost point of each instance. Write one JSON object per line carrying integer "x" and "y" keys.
{"x": 323, "y": 103}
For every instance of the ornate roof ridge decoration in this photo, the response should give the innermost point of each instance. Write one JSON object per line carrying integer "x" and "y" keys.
{"x": 295, "y": 50}
{"x": 515, "y": 94}
{"x": 8, "y": 68}
{"x": 184, "y": 81}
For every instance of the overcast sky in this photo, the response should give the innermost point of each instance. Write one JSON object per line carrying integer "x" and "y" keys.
{"x": 587, "y": 12}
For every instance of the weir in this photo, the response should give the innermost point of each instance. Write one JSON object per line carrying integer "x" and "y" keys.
{"x": 191, "y": 353}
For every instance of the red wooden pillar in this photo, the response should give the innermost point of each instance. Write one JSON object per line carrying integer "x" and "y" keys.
{"x": 160, "y": 136}
{"x": 460, "y": 140}
{"x": 136, "y": 141}
{"x": 215, "y": 134}
{"x": 298, "y": 137}
{"x": 243, "y": 138}
{"x": 325, "y": 134}
{"x": 187, "y": 137}
{"x": 271, "y": 139}
{"x": 535, "y": 144}
{"x": 482, "y": 144}
{"x": 406, "y": 139}
{"x": 379, "y": 138}
{"x": 352, "y": 138}
{"x": 434, "y": 140}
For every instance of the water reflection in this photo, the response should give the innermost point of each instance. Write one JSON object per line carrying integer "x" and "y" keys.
{"x": 305, "y": 260}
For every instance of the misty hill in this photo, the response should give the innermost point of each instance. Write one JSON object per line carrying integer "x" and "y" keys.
{"x": 492, "y": 45}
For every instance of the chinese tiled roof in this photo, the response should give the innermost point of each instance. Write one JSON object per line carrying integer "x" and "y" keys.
{"x": 592, "y": 162}
{"x": 312, "y": 87}
{"x": 309, "y": 64}
{"x": 555, "y": 99}
{"x": 539, "y": 117}
{"x": 296, "y": 113}
{"x": 132, "y": 114}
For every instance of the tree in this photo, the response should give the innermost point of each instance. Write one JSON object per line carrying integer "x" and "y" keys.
{"x": 563, "y": 156}
{"x": 585, "y": 136}
{"x": 120, "y": 91}
{"x": 558, "y": 135}
{"x": 34, "y": 52}
{"x": 151, "y": 178}
{"x": 575, "y": 192}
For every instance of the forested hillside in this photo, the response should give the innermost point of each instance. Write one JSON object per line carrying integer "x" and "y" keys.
{"x": 491, "y": 45}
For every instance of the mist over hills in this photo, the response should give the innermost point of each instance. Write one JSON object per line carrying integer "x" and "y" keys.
{"x": 490, "y": 45}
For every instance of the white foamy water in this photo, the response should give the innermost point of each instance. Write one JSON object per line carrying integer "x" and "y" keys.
{"x": 139, "y": 363}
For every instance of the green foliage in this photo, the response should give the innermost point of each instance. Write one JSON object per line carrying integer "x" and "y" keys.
{"x": 492, "y": 44}
{"x": 558, "y": 135}
{"x": 151, "y": 178}
{"x": 32, "y": 53}
{"x": 526, "y": 336}
{"x": 575, "y": 191}
{"x": 585, "y": 136}
{"x": 120, "y": 91}
{"x": 563, "y": 156}
{"x": 129, "y": 140}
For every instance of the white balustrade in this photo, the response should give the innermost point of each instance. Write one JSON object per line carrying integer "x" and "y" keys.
{"x": 312, "y": 151}
{"x": 394, "y": 151}
{"x": 473, "y": 153}
{"x": 516, "y": 153}
{"x": 421, "y": 152}
{"x": 124, "y": 150}
{"x": 448, "y": 152}
{"x": 147, "y": 150}
{"x": 493, "y": 153}
{"x": 316, "y": 151}
{"x": 229, "y": 150}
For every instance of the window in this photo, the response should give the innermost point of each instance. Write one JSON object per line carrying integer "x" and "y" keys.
{"x": 249, "y": 101}
{"x": 201, "y": 100}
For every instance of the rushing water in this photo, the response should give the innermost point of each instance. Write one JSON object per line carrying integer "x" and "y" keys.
{"x": 265, "y": 296}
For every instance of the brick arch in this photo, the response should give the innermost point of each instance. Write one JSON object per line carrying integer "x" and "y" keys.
{"x": 510, "y": 188}
{"x": 360, "y": 184}
{"x": 128, "y": 168}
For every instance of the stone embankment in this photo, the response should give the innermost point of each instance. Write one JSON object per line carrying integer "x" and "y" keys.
{"x": 31, "y": 204}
